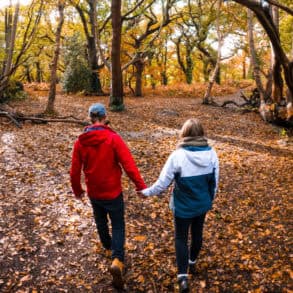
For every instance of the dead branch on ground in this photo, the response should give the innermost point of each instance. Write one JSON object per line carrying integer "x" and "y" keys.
{"x": 17, "y": 118}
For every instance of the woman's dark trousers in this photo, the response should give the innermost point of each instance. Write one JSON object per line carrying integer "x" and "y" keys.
{"x": 182, "y": 227}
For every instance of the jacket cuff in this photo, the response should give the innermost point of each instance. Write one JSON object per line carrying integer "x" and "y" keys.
{"x": 145, "y": 192}
{"x": 141, "y": 187}
{"x": 78, "y": 192}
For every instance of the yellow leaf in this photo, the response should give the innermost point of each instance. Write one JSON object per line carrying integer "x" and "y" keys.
{"x": 245, "y": 257}
{"x": 153, "y": 215}
{"x": 203, "y": 284}
{"x": 140, "y": 238}
{"x": 150, "y": 246}
{"x": 141, "y": 279}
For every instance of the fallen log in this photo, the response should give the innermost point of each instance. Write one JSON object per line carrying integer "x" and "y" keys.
{"x": 270, "y": 112}
{"x": 46, "y": 120}
{"x": 10, "y": 117}
{"x": 17, "y": 118}
{"x": 232, "y": 102}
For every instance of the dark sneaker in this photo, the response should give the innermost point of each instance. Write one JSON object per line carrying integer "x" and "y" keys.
{"x": 116, "y": 271}
{"x": 183, "y": 285}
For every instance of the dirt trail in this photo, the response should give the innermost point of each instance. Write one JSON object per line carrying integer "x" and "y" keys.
{"x": 48, "y": 240}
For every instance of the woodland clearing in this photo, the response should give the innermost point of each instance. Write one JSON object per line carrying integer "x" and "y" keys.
{"x": 48, "y": 239}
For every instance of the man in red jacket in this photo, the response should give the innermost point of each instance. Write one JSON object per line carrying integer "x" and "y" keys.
{"x": 100, "y": 153}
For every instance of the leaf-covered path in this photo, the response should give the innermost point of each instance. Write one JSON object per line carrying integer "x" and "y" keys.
{"x": 48, "y": 241}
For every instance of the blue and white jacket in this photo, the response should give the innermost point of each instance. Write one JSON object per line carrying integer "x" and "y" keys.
{"x": 196, "y": 173}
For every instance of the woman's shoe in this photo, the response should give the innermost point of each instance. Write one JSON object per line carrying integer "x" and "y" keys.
{"x": 183, "y": 285}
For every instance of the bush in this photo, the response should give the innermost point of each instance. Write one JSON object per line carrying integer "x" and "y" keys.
{"x": 76, "y": 78}
{"x": 77, "y": 75}
{"x": 14, "y": 91}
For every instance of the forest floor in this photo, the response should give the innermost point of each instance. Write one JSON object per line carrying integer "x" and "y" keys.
{"x": 48, "y": 239}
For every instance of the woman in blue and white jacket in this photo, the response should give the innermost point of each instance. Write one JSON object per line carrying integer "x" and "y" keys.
{"x": 194, "y": 167}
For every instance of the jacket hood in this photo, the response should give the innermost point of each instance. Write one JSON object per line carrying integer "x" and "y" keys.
{"x": 199, "y": 156}
{"x": 94, "y": 135}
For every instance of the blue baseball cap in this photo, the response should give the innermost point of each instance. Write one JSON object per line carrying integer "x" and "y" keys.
{"x": 97, "y": 109}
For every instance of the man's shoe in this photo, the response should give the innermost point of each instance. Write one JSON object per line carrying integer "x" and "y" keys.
{"x": 116, "y": 271}
{"x": 183, "y": 285}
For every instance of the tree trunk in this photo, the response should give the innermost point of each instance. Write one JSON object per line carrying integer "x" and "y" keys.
{"x": 10, "y": 34}
{"x": 244, "y": 65}
{"x": 265, "y": 19}
{"x": 206, "y": 71}
{"x": 52, "y": 90}
{"x": 139, "y": 67}
{"x": 253, "y": 57}
{"x": 13, "y": 58}
{"x": 153, "y": 82}
{"x": 189, "y": 66}
{"x": 91, "y": 37}
{"x": 164, "y": 71}
{"x": 164, "y": 78}
{"x": 277, "y": 86}
{"x": 116, "y": 98}
{"x": 28, "y": 73}
{"x": 218, "y": 75}
{"x": 96, "y": 87}
{"x": 269, "y": 82}
{"x": 206, "y": 99}
{"x": 39, "y": 74}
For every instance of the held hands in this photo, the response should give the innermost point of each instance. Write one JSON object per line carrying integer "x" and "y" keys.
{"x": 140, "y": 194}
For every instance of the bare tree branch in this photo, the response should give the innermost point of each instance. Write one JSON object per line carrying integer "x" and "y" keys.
{"x": 281, "y": 6}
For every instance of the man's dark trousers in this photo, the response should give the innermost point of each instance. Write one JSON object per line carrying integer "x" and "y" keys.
{"x": 115, "y": 209}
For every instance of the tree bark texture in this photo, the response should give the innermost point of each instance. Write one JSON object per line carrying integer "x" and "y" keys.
{"x": 53, "y": 82}
{"x": 253, "y": 56}
{"x": 10, "y": 34}
{"x": 96, "y": 86}
{"x": 91, "y": 37}
{"x": 277, "y": 84}
{"x": 264, "y": 17}
{"x": 206, "y": 99}
{"x": 39, "y": 72}
{"x": 13, "y": 58}
{"x": 164, "y": 75}
{"x": 116, "y": 98}
{"x": 153, "y": 26}
{"x": 139, "y": 66}
{"x": 186, "y": 67}
{"x": 189, "y": 65}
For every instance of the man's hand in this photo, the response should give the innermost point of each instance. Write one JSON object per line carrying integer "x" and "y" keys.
{"x": 140, "y": 194}
{"x": 81, "y": 196}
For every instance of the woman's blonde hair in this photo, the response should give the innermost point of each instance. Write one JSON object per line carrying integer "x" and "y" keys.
{"x": 192, "y": 127}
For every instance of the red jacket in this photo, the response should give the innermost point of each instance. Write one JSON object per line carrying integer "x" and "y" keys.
{"x": 101, "y": 152}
